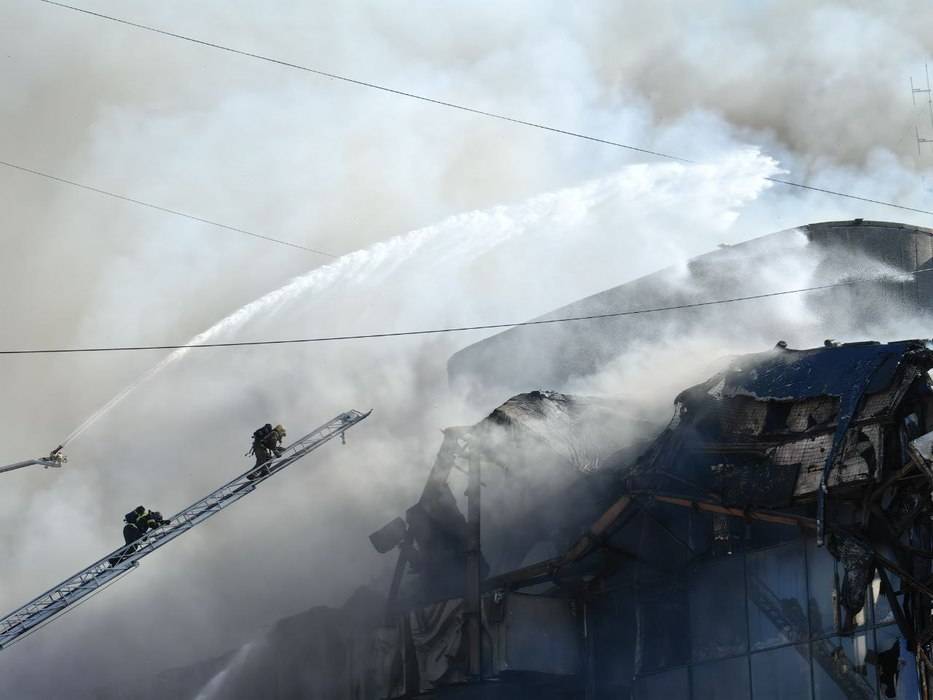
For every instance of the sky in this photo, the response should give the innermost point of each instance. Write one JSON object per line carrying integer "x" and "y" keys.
{"x": 438, "y": 217}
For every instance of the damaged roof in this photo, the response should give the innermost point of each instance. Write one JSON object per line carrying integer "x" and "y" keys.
{"x": 783, "y": 374}
{"x": 545, "y": 466}
{"x": 783, "y": 424}
{"x": 582, "y": 430}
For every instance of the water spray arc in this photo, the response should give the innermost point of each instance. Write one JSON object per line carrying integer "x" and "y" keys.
{"x": 448, "y": 248}
{"x": 360, "y": 267}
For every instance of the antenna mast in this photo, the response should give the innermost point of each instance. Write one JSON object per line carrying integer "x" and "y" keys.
{"x": 914, "y": 91}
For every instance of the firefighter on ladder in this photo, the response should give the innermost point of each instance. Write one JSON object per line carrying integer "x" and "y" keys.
{"x": 137, "y": 523}
{"x": 267, "y": 441}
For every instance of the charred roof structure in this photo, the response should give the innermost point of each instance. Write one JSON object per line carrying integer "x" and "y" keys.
{"x": 525, "y": 358}
{"x": 691, "y": 567}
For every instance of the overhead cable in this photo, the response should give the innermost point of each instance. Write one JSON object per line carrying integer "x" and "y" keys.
{"x": 461, "y": 107}
{"x": 173, "y": 212}
{"x": 455, "y": 329}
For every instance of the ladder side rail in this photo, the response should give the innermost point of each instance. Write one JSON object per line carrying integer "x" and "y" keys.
{"x": 31, "y": 624}
{"x": 42, "y": 615}
{"x": 32, "y": 614}
{"x": 38, "y": 610}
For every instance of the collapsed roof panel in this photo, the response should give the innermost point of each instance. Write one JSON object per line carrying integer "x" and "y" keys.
{"x": 545, "y": 463}
{"x": 773, "y": 426}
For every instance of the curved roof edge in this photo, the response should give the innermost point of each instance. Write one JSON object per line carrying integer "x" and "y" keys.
{"x": 501, "y": 360}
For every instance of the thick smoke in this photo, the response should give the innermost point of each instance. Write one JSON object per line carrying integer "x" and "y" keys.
{"x": 548, "y": 219}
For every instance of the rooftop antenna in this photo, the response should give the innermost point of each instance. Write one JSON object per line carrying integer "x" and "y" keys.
{"x": 921, "y": 140}
{"x": 929, "y": 93}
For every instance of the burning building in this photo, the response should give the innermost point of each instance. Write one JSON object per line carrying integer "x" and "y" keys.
{"x": 772, "y": 542}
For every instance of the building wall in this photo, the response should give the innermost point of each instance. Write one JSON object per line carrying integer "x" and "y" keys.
{"x": 758, "y": 624}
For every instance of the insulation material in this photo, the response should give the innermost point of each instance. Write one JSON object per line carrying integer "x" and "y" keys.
{"x": 812, "y": 413}
{"x": 432, "y": 643}
{"x": 856, "y": 464}
{"x": 858, "y": 567}
{"x": 437, "y": 634}
{"x": 880, "y": 405}
{"x": 754, "y": 482}
{"x": 743, "y": 416}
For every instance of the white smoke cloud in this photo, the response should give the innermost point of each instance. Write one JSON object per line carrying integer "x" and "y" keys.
{"x": 749, "y": 89}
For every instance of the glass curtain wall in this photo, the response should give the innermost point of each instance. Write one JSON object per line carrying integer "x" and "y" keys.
{"x": 759, "y": 624}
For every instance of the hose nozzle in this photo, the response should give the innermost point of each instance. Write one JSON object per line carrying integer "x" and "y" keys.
{"x": 56, "y": 457}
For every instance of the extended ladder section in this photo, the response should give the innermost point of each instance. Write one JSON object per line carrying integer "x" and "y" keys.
{"x": 19, "y": 623}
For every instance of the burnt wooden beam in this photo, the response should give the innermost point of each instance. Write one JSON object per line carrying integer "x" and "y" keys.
{"x": 766, "y": 516}
{"x": 591, "y": 539}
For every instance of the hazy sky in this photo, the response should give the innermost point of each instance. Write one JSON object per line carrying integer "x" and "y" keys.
{"x": 458, "y": 219}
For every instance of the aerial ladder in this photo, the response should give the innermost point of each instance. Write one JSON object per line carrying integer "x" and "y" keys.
{"x": 54, "y": 602}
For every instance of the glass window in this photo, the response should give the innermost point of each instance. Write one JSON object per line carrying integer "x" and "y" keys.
{"x": 759, "y": 624}
{"x": 825, "y": 584}
{"x": 777, "y": 596}
{"x": 699, "y": 530}
{"x": 718, "y": 626}
{"x": 883, "y": 614}
{"x": 781, "y": 674}
{"x": 761, "y": 534}
{"x": 887, "y": 640}
{"x": 821, "y": 573}
{"x": 611, "y": 621}
{"x": 840, "y": 671}
{"x": 659, "y": 544}
{"x": 663, "y": 636}
{"x": 663, "y": 686}
{"x": 720, "y": 680}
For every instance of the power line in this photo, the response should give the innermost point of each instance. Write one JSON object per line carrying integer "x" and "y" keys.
{"x": 157, "y": 207}
{"x": 456, "y": 329}
{"x": 461, "y": 107}
{"x": 361, "y": 83}
{"x": 836, "y": 193}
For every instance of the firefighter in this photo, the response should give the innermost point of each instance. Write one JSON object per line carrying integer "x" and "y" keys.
{"x": 137, "y": 523}
{"x": 267, "y": 441}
